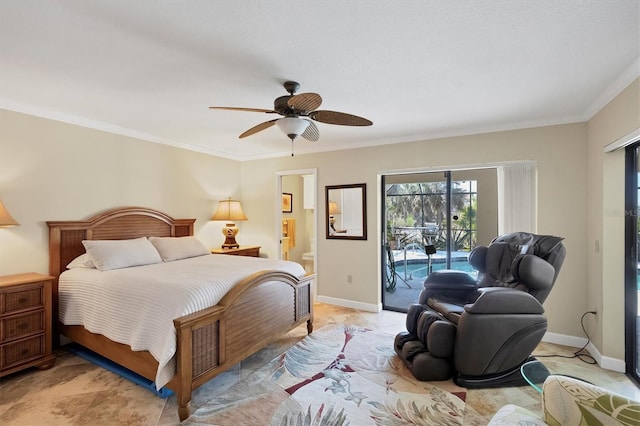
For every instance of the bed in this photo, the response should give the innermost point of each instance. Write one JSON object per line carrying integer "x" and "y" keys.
{"x": 250, "y": 315}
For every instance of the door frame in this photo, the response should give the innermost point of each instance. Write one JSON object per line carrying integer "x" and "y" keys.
{"x": 381, "y": 208}
{"x": 632, "y": 331}
{"x": 278, "y": 207}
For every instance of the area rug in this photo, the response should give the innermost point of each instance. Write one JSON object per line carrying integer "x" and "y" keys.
{"x": 339, "y": 375}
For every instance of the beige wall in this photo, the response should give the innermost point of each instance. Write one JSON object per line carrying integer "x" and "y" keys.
{"x": 605, "y": 214}
{"x": 55, "y": 171}
{"x": 562, "y": 203}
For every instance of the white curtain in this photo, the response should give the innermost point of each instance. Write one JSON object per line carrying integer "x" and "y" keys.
{"x": 517, "y": 195}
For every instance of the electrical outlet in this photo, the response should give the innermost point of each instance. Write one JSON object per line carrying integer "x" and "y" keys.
{"x": 349, "y": 279}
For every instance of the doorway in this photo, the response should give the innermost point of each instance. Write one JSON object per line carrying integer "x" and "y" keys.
{"x": 296, "y": 227}
{"x": 432, "y": 221}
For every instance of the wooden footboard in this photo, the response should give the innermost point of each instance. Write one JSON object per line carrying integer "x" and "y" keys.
{"x": 263, "y": 306}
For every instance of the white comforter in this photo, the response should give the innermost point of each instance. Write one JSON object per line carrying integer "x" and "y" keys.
{"x": 136, "y": 306}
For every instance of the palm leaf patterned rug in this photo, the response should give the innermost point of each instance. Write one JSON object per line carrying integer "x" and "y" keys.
{"x": 338, "y": 375}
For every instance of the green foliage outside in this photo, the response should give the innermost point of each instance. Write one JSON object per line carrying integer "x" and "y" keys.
{"x": 422, "y": 207}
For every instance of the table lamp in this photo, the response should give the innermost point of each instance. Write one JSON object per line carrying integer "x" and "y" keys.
{"x": 333, "y": 210}
{"x": 229, "y": 211}
{"x": 5, "y": 218}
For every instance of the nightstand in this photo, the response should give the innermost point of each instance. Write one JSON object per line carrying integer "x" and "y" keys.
{"x": 25, "y": 322}
{"x": 251, "y": 251}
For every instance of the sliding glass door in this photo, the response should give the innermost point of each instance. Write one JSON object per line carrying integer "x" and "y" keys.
{"x": 632, "y": 262}
{"x": 430, "y": 222}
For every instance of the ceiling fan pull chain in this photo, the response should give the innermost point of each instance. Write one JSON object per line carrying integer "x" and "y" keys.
{"x": 292, "y": 147}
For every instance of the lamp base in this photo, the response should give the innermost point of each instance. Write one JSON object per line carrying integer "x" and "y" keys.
{"x": 230, "y": 231}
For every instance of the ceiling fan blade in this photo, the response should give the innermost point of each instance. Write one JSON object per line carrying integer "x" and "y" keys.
{"x": 341, "y": 118}
{"x": 305, "y": 101}
{"x": 311, "y": 133}
{"x": 258, "y": 128}
{"x": 268, "y": 111}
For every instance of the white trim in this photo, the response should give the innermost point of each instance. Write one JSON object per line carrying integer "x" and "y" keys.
{"x": 110, "y": 128}
{"x": 621, "y": 83}
{"x": 623, "y": 142}
{"x": 349, "y": 304}
{"x": 297, "y": 172}
{"x": 606, "y": 363}
{"x": 453, "y": 168}
{"x": 565, "y": 340}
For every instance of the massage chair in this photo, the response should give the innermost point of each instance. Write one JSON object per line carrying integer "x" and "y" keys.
{"x": 480, "y": 331}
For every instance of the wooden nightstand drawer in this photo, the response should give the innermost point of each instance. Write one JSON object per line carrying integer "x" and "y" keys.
{"x": 23, "y": 297}
{"x": 22, "y": 351}
{"x": 250, "y": 251}
{"x": 19, "y": 326}
{"x": 25, "y": 322}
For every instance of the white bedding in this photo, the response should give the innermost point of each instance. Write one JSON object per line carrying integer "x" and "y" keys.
{"x": 136, "y": 306}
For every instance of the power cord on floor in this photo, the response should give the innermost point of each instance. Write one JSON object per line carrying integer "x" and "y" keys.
{"x": 584, "y": 357}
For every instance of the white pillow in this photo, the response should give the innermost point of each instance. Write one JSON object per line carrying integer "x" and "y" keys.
{"x": 116, "y": 254}
{"x": 82, "y": 261}
{"x": 175, "y": 248}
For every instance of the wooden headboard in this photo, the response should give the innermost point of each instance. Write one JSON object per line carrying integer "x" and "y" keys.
{"x": 65, "y": 237}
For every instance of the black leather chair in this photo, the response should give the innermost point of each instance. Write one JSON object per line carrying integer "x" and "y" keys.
{"x": 481, "y": 331}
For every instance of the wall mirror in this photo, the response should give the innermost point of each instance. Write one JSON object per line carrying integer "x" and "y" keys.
{"x": 346, "y": 211}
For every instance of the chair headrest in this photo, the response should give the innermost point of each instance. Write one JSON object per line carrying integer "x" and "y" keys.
{"x": 535, "y": 272}
{"x": 497, "y": 260}
{"x": 542, "y": 245}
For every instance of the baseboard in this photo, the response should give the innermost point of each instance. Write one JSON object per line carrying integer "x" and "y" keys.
{"x": 349, "y": 304}
{"x": 607, "y": 363}
{"x": 563, "y": 339}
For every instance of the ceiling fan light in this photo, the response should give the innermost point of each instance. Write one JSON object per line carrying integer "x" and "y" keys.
{"x": 292, "y": 126}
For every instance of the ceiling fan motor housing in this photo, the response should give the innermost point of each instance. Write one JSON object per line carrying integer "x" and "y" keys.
{"x": 281, "y": 107}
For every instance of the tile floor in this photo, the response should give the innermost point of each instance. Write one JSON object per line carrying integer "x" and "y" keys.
{"x": 75, "y": 392}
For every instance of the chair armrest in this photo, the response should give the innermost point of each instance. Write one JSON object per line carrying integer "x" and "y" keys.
{"x": 448, "y": 285}
{"x": 501, "y": 300}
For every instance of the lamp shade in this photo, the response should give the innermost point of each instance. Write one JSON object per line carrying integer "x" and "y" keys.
{"x": 5, "y": 218}
{"x": 229, "y": 210}
{"x": 293, "y": 126}
{"x": 333, "y": 208}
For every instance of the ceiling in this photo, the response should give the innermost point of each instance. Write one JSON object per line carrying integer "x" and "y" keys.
{"x": 419, "y": 69}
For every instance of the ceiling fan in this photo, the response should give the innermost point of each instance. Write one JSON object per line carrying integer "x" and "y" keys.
{"x": 298, "y": 115}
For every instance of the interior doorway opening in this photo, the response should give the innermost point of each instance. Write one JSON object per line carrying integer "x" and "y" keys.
{"x": 296, "y": 227}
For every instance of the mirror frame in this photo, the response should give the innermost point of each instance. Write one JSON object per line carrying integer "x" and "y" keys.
{"x": 338, "y": 236}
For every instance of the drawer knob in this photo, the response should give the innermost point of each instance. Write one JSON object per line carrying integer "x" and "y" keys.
{"x": 25, "y": 351}
{"x": 23, "y": 326}
{"x": 23, "y": 300}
